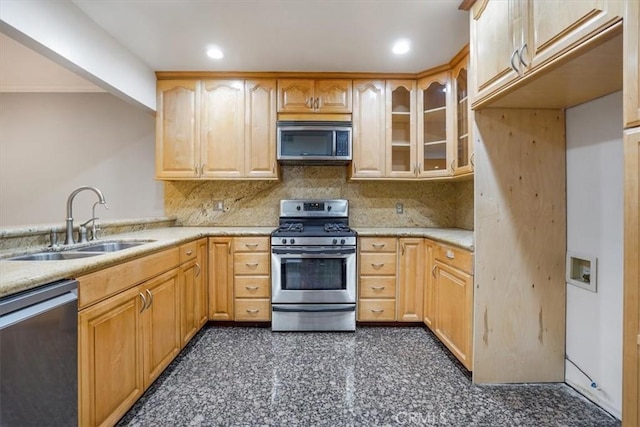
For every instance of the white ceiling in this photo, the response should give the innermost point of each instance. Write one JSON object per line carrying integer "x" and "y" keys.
{"x": 284, "y": 35}
{"x": 256, "y": 35}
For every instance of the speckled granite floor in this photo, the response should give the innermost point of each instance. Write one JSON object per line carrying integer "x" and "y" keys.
{"x": 231, "y": 376}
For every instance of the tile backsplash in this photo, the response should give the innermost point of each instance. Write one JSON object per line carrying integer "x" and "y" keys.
{"x": 371, "y": 203}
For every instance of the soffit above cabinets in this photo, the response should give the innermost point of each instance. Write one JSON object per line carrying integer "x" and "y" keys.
{"x": 24, "y": 70}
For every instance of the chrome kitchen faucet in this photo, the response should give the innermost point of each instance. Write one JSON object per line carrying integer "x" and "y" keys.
{"x": 69, "y": 240}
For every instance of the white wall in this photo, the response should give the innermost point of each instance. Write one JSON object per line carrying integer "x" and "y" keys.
{"x": 595, "y": 227}
{"x": 51, "y": 144}
{"x": 63, "y": 33}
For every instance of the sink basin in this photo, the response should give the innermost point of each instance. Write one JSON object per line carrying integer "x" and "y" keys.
{"x": 52, "y": 256}
{"x": 112, "y": 246}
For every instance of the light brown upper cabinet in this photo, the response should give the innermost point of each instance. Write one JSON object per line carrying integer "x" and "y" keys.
{"x": 369, "y": 130}
{"x": 401, "y": 129}
{"x": 177, "y": 141}
{"x": 463, "y": 142}
{"x": 314, "y": 96}
{"x": 216, "y": 129}
{"x": 512, "y": 38}
{"x": 435, "y": 125}
{"x": 632, "y": 65}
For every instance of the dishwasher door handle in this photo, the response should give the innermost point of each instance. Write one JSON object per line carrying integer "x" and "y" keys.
{"x": 36, "y": 309}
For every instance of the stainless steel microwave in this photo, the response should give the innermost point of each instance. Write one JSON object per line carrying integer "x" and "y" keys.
{"x": 314, "y": 142}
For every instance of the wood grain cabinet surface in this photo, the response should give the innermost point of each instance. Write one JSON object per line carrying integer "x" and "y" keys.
{"x": 632, "y": 65}
{"x": 125, "y": 342}
{"x": 194, "y": 310}
{"x": 410, "y": 279}
{"x": 220, "y": 278}
{"x": 377, "y": 279}
{"x": 252, "y": 284}
{"x": 314, "y": 96}
{"x": 514, "y": 38}
{"x": 216, "y": 129}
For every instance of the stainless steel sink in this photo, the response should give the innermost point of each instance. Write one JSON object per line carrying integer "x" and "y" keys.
{"x": 112, "y": 246}
{"x": 53, "y": 256}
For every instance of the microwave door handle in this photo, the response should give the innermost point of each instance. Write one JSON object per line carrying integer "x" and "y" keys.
{"x": 334, "y": 148}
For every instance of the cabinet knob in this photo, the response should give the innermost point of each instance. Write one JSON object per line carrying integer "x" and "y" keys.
{"x": 189, "y": 252}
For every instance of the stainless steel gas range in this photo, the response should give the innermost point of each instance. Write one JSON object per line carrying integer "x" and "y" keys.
{"x": 313, "y": 267}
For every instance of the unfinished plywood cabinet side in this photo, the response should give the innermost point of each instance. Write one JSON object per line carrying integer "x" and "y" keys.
{"x": 520, "y": 292}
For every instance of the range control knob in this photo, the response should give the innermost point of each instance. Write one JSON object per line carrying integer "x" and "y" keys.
{"x": 284, "y": 241}
{"x": 342, "y": 241}
{"x": 292, "y": 241}
{"x": 329, "y": 207}
{"x": 298, "y": 207}
{"x": 335, "y": 241}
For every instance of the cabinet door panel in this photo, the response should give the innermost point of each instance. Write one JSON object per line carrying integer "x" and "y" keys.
{"x": 555, "y": 25}
{"x": 188, "y": 302}
{"x": 435, "y": 125}
{"x": 429, "y": 287}
{"x": 334, "y": 96}
{"x": 454, "y": 305}
{"x": 410, "y": 280}
{"x": 493, "y": 27}
{"x": 631, "y": 88}
{"x": 220, "y": 278}
{"x": 222, "y": 128}
{"x": 369, "y": 129}
{"x": 110, "y": 359}
{"x": 295, "y": 95}
{"x": 161, "y": 327}
{"x": 260, "y": 132}
{"x": 401, "y": 129}
{"x": 177, "y": 146}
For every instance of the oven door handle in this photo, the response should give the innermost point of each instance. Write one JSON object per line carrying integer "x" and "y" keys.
{"x": 313, "y": 251}
{"x": 314, "y": 308}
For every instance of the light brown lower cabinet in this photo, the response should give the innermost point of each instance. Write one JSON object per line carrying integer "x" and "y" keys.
{"x": 377, "y": 266}
{"x": 410, "y": 279}
{"x": 252, "y": 284}
{"x": 449, "y": 298}
{"x": 194, "y": 310}
{"x": 126, "y": 341}
{"x": 221, "y": 278}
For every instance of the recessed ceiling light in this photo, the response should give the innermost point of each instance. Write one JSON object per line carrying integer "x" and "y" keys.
{"x": 401, "y": 46}
{"x": 215, "y": 52}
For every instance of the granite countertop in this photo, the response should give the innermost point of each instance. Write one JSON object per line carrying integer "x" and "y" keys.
{"x": 16, "y": 276}
{"x": 453, "y": 236}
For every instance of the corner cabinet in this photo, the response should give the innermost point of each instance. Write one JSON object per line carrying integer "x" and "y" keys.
{"x": 314, "y": 96}
{"x": 216, "y": 129}
{"x": 435, "y": 125}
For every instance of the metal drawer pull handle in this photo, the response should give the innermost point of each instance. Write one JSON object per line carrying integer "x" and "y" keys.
{"x": 199, "y": 270}
{"x": 150, "y": 298}
{"x": 252, "y": 311}
{"x": 251, "y": 288}
{"x": 523, "y": 49}
{"x": 377, "y": 266}
{"x": 378, "y": 310}
{"x": 144, "y": 302}
{"x": 451, "y": 254}
{"x": 251, "y": 264}
{"x": 377, "y": 288}
{"x": 251, "y": 245}
{"x": 189, "y": 252}
{"x": 513, "y": 66}
{"x": 379, "y": 245}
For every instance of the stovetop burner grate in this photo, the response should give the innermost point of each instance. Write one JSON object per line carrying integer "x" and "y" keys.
{"x": 335, "y": 227}
{"x": 291, "y": 226}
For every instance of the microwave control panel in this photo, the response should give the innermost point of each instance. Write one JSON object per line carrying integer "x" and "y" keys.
{"x": 342, "y": 143}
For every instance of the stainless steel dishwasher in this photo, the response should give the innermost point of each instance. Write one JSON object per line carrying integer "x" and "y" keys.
{"x": 39, "y": 356}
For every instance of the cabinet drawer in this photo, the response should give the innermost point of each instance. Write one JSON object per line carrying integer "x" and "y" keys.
{"x": 378, "y": 264}
{"x": 102, "y": 284}
{"x": 251, "y": 264}
{"x": 377, "y": 310}
{"x": 455, "y": 257}
{"x": 251, "y": 244}
{"x": 252, "y": 287}
{"x": 188, "y": 251}
{"x": 378, "y": 244}
{"x": 378, "y": 287}
{"x": 257, "y": 310}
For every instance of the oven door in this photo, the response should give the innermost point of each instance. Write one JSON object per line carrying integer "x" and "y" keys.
{"x": 313, "y": 274}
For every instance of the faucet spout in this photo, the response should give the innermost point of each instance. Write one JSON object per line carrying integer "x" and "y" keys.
{"x": 69, "y": 237}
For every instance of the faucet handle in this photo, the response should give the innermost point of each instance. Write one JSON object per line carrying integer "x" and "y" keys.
{"x": 53, "y": 236}
{"x": 82, "y": 234}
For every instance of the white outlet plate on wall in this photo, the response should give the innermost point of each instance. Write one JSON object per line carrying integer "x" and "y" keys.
{"x": 582, "y": 271}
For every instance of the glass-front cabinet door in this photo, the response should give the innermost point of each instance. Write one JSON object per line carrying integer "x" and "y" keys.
{"x": 401, "y": 129}
{"x": 435, "y": 121}
{"x": 463, "y": 152}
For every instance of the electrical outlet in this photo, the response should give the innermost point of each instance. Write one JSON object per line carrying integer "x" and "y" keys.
{"x": 218, "y": 205}
{"x": 399, "y": 208}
